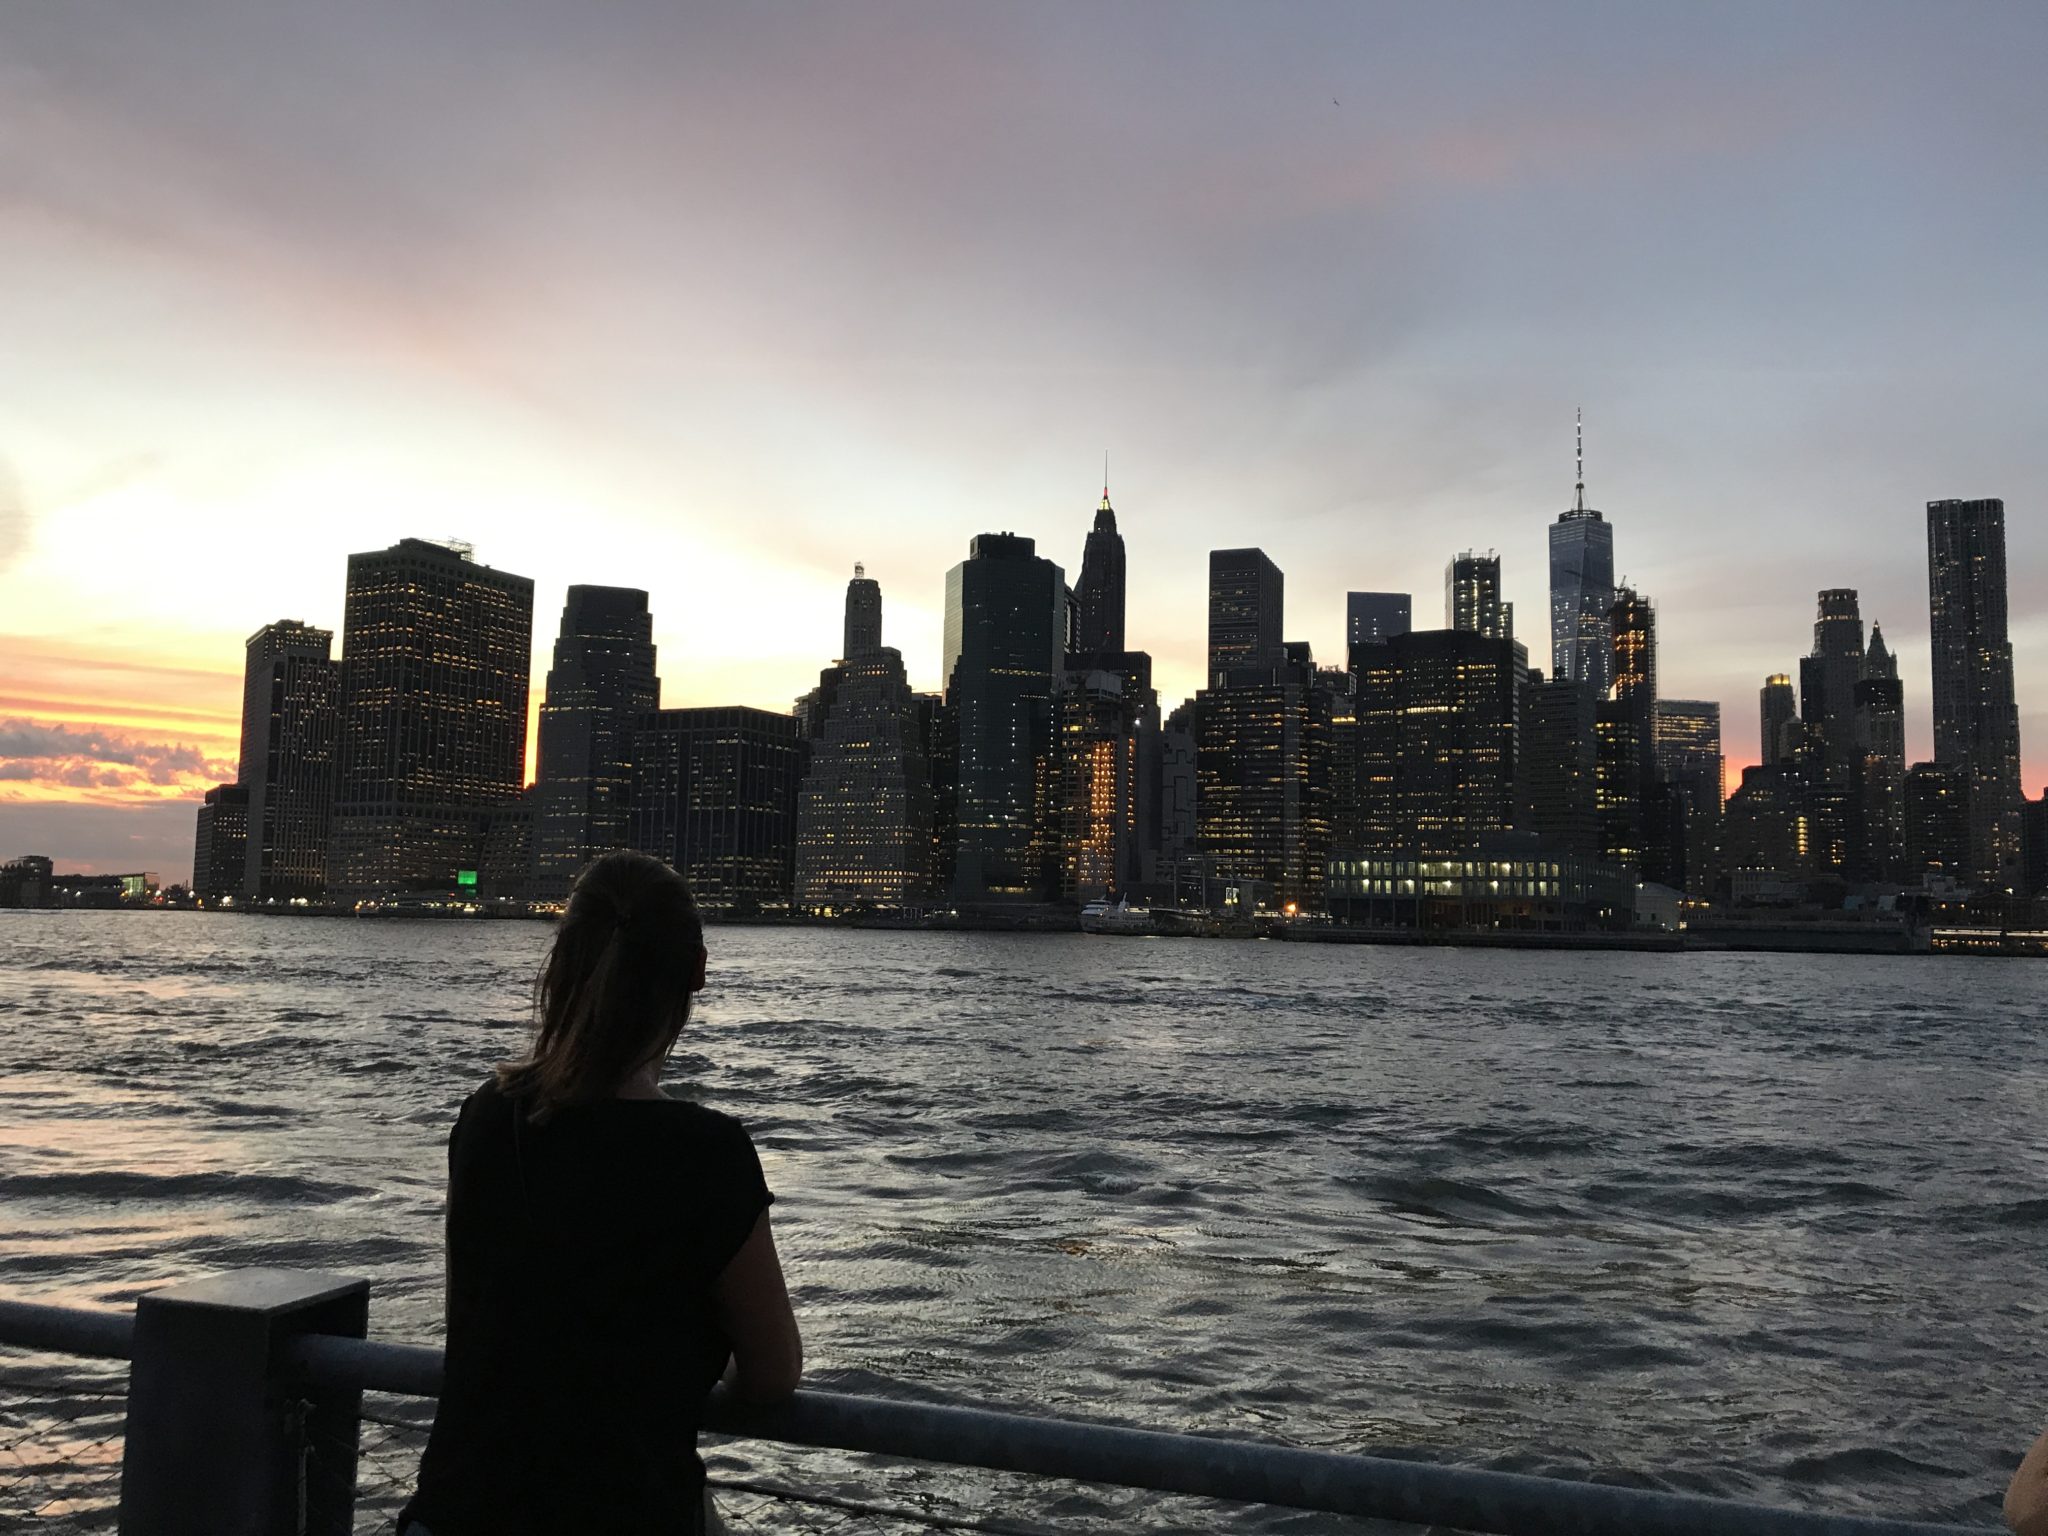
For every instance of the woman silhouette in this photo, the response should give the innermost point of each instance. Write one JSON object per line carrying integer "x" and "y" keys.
{"x": 608, "y": 1248}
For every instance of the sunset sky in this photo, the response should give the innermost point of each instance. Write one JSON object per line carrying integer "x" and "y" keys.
{"x": 719, "y": 301}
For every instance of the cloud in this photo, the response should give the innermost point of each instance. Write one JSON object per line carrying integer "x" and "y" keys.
{"x": 68, "y": 759}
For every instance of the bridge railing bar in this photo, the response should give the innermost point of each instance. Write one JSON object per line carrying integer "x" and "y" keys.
{"x": 302, "y": 1331}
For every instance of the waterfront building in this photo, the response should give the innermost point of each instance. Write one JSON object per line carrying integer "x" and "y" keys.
{"x": 1581, "y": 591}
{"x": 1246, "y": 601}
{"x": 1937, "y": 821}
{"x": 1099, "y": 595}
{"x": 220, "y": 845}
{"x": 601, "y": 681}
{"x": 1455, "y": 707}
{"x": 1345, "y": 807}
{"x": 1778, "y": 712}
{"x": 1472, "y": 596}
{"x": 1686, "y": 736}
{"x": 1880, "y": 737}
{"x": 1262, "y": 774}
{"x": 1006, "y": 628}
{"x": 1976, "y": 719}
{"x": 864, "y": 812}
{"x": 714, "y": 795}
{"x": 1370, "y": 616}
{"x": 291, "y": 719}
{"x": 1375, "y": 778}
{"x": 25, "y": 881}
{"x": 436, "y": 654}
{"x": 1556, "y": 765}
{"x": 1514, "y": 880}
{"x": 1101, "y": 714}
{"x": 1766, "y": 831}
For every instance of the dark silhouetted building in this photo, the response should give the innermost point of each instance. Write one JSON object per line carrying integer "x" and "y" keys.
{"x": 436, "y": 655}
{"x": 864, "y": 813}
{"x": 602, "y": 681}
{"x": 291, "y": 723}
{"x": 714, "y": 794}
{"x": 1372, "y": 616}
{"x": 1454, "y": 710}
{"x": 220, "y": 845}
{"x": 1778, "y": 713}
{"x": 1827, "y": 689}
{"x": 1581, "y": 594}
{"x": 1006, "y": 626}
{"x": 25, "y": 881}
{"x": 2035, "y": 846}
{"x": 1099, "y": 596}
{"x": 1246, "y": 598}
{"x": 1625, "y": 745}
{"x": 1936, "y": 817}
{"x": 1687, "y": 739}
{"x": 1976, "y": 719}
{"x": 1880, "y": 744}
{"x": 1556, "y": 765}
{"x": 1766, "y": 833}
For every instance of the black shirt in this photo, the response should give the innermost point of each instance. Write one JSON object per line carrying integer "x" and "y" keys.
{"x": 582, "y": 1338}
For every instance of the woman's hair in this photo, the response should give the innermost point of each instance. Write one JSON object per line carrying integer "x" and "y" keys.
{"x": 614, "y": 991}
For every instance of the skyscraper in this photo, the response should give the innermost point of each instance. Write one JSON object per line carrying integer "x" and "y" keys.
{"x": 1262, "y": 783}
{"x": 1827, "y": 686}
{"x": 436, "y": 653}
{"x": 1625, "y": 741}
{"x": 1777, "y": 708}
{"x": 1581, "y": 591}
{"x": 1472, "y": 596}
{"x": 1556, "y": 764}
{"x": 291, "y": 717}
{"x": 1687, "y": 737}
{"x": 1976, "y": 721}
{"x": 1370, "y": 616}
{"x": 714, "y": 794}
{"x": 220, "y": 843}
{"x": 1451, "y": 700}
{"x": 864, "y": 813}
{"x": 1246, "y": 598}
{"x": 1006, "y": 626}
{"x": 1880, "y": 745}
{"x": 1099, "y": 597}
{"x": 602, "y": 681}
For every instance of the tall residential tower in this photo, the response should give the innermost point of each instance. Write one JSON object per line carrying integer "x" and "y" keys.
{"x": 1976, "y": 721}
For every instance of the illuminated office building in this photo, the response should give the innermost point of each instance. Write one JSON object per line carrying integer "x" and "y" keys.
{"x": 864, "y": 812}
{"x": 1631, "y": 828}
{"x": 1935, "y": 816}
{"x": 1976, "y": 721}
{"x": 1100, "y": 714}
{"x": 1686, "y": 736}
{"x": 1472, "y": 596}
{"x": 291, "y": 717}
{"x": 1262, "y": 789}
{"x": 1006, "y": 628}
{"x": 1246, "y": 600}
{"x": 220, "y": 845}
{"x": 1455, "y": 709}
{"x": 436, "y": 652}
{"x": 1582, "y": 593}
{"x": 601, "y": 682}
{"x": 714, "y": 794}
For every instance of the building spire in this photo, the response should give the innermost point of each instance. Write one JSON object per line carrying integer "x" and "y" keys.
{"x": 1105, "y": 480}
{"x": 1580, "y": 433}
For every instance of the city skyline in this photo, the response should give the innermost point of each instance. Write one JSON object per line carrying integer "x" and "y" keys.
{"x": 1321, "y": 304}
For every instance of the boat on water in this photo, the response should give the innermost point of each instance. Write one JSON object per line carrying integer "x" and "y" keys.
{"x": 1116, "y": 917}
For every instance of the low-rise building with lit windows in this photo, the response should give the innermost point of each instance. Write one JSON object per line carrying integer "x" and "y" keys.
{"x": 1507, "y": 880}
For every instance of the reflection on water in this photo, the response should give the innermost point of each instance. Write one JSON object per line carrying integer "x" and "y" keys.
{"x": 1762, "y": 1226}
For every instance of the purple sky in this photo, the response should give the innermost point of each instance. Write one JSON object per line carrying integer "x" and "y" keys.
{"x": 718, "y": 302}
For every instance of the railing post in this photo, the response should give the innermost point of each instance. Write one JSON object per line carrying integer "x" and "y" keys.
{"x": 220, "y": 1440}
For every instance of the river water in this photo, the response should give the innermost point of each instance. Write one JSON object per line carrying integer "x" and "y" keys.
{"x": 1763, "y": 1226}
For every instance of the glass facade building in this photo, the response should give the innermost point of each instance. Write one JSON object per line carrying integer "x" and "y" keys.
{"x": 1581, "y": 594}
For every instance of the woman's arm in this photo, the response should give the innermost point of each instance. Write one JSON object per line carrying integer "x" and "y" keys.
{"x": 2026, "y": 1501}
{"x": 754, "y": 1310}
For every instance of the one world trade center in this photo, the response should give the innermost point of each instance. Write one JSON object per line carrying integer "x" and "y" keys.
{"x": 1582, "y": 591}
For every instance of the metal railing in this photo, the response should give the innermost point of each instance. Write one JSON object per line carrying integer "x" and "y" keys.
{"x": 245, "y": 1412}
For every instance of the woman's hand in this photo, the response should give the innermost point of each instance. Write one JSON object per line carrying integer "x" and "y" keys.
{"x": 2026, "y": 1501}
{"x": 754, "y": 1310}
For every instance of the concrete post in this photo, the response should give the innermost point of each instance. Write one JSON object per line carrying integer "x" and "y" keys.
{"x": 221, "y": 1440}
